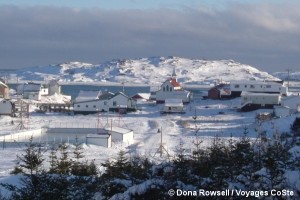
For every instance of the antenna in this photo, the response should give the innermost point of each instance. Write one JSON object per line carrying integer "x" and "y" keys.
{"x": 288, "y": 78}
{"x": 161, "y": 147}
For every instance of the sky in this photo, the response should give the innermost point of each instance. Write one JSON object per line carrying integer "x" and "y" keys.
{"x": 261, "y": 33}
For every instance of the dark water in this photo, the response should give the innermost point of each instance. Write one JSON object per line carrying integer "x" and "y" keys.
{"x": 73, "y": 90}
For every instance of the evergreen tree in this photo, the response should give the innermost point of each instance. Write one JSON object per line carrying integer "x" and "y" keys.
{"x": 53, "y": 160}
{"x": 32, "y": 160}
{"x": 63, "y": 163}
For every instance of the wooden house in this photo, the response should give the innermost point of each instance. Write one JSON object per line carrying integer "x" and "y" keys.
{"x": 32, "y": 90}
{"x": 237, "y": 87}
{"x": 103, "y": 102}
{"x": 171, "y": 89}
{"x": 221, "y": 91}
{"x": 4, "y": 90}
{"x": 252, "y": 101}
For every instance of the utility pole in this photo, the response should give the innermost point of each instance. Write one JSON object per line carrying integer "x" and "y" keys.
{"x": 288, "y": 78}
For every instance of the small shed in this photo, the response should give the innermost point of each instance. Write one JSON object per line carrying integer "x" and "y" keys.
{"x": 121, "y": 134}
{"x": 6, "y": 107}
{"x": 173, "y": 106}
{"x": 100, "y": 139}
{"x": 282, "y": 111}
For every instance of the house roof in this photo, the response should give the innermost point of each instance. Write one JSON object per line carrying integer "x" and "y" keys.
{"x": 142, "y": 95}
{"x": 88, "y": 95}
{"x": 93, "y": 135}
{"x": 106, "y": 95}
{"x": 120, "y": 93}
{"x": 118, "y": 130}
{"x": 253, "y": 82}
{"x": 3, "y": 84}
{"x": 174, "y": 82}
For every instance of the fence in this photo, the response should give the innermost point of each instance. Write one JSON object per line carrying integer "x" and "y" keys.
{"x": 47, "y": 135}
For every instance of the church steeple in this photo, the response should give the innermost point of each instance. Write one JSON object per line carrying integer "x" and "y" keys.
{"x": 174, "y": 73}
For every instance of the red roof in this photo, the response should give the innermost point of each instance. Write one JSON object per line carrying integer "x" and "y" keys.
{"x": 174, "y": 83}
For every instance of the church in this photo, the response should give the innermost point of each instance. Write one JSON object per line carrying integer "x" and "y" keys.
{"x": 171, "y": 89}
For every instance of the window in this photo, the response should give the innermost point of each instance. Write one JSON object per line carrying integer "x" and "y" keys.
{"x": 94, "y": 106}
{"x": 4, "y": 101}
{"x": 78, "y": 106}
{"x": 236, "y": 86}
{"x": 105, "y": 103}
{"x": 164, "y": 89}
{"x": 171, "y": 89}
{"x": 167, "y": 88}
{"x": 252, "y": 86}
{"x": 245, "y": 86}
{"x": 268, "y": 86}
{"x": 86, "y": 106}
{"x": 114, "y": 103}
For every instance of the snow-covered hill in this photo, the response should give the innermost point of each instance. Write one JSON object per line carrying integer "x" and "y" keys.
{"x": 285, "y": 75}
{"x": 152, "y": 70}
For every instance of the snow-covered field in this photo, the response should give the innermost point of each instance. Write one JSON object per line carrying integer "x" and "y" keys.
{"x": 214, "y": 118}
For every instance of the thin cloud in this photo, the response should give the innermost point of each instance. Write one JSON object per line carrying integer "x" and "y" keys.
{"x": 260, "y": 35}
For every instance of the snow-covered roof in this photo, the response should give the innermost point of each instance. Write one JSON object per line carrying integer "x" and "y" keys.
{"x": 244, "y": 93}
{"x": 87, "y": 95}
{"x": 3, "y": 84}
{"x": 254, "y": 82}
{"x": 93, "y": 135}
{"x": 120, "y": 93}
{"x": 106, "y": 95}
{"x": 56, "y": 98}
{"x": 143, "y": 95}
{"x": 118, "y": 130}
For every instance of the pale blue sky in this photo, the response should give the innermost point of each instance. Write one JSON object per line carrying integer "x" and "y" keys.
{"x": 262, "y": 33}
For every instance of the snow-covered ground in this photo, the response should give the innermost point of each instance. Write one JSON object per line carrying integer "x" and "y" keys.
{"x": 214, "y": 117}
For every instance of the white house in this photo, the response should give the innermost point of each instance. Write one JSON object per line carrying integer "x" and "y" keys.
{"x": 121, "y": 134}
{"x": 252, "y": 101}
{"x": 103, "y": 102}
{"x": 237, "y": 87}
{"x": 32, "y": 90}
{"x": 6, "y": 107}
{"x": 173, "y": 106}
{"x": 293, "y": 102}
{"x": 121, "y": 103}
{"x": 171, "y": 89}
{"x": 101, "y": 139}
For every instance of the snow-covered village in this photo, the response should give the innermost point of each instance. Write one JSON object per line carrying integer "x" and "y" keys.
{"x": 149, "y": 100}
{"x": 188, "y": 112}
